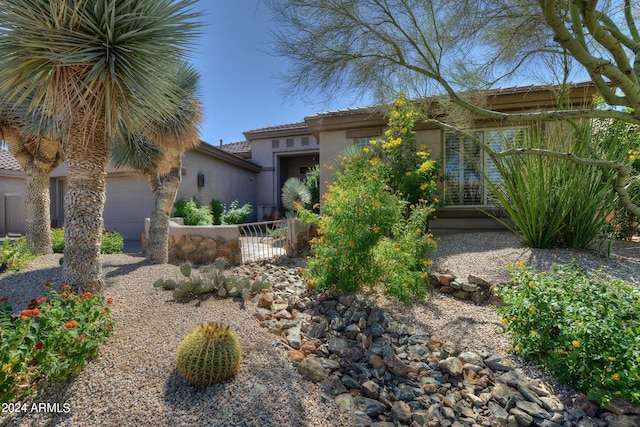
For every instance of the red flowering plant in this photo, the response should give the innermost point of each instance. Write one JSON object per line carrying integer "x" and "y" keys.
{"x": 53, "y": 337}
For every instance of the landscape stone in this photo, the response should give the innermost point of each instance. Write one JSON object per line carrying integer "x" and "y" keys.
{"x": 312, "y": 368}
{"x": 345, "y": 402}
{"x": 401, "y": 412}
{"x": 371, "y": 407}
{"x": 452, "y": 365}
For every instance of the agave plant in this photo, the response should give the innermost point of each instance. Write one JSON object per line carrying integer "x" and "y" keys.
{"x": 295, "y": 194}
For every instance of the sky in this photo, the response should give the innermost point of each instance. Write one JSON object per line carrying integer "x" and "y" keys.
{"x": 240, "y": 85}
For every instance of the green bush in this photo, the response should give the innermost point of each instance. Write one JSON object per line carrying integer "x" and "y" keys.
{"x": 112, "y": 241}
{"x": 217, "y": 209}
{"x": 554, "y": 202}
{"x": 54, "y": 337}
{"x": 15, "y": 254}
{"x": 179, "y": 207}
{"x": 584, "y": 328}
{"x": 193, "y": 214}
{"x": 375, "y": 226}
{"x": 312, "y": 183}
{"x": 235, "y": 214}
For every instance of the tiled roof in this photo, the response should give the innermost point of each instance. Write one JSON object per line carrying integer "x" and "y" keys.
{"x": 236, "y": 147}
{"x": 8, "y": 162}
{"x": 341, "y": 112}
{"x": 288, "y": 126}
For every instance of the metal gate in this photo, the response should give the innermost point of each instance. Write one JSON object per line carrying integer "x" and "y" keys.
{"x": 263, "y": 240}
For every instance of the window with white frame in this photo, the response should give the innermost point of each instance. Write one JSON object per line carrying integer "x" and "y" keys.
{"x": 363, "y": 142}
{"x": 467, "y": 165}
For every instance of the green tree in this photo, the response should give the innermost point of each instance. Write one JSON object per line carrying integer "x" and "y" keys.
{"x": 157, "y": 154}
{"x": 463, "y": 48}
{"x": 86, "y": 65}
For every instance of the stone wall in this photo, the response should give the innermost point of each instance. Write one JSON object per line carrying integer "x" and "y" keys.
{"x": 473, "y": 289}
{"x": 299, "y": 236}
{"x": 201, "y": 245}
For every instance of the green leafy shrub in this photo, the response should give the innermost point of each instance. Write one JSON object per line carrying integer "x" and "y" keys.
{"x": 54, "y": 337}
{"x": 15, "y": 254}
{"x": 193, "y": 214}
{"x": 584, "y": 328}
{"x": 57, "y": 240}
{"x": 235, "y": 214}
{"x": 554, "y": 202}
{"x": 179, "y": 207}
{"x": 375, "y": 226}
{"x": 312, "y": 183}
{"x": 217, "y": 209}
{"x": 112, "y": 241}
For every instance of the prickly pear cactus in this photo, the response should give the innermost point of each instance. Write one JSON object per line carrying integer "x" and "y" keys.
{"x": 210, "y": 354}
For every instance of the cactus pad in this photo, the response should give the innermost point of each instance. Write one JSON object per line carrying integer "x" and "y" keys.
{"x": 209, "y": 354}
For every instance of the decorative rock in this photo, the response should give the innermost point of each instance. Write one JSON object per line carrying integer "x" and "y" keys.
{"x": 370, "y": 389}
{"x": 523, "y": 418}
{"x": 470, "y": 357}
{"x": 371, "y": 407}
{"x": 265, "y": 300}
{"x": 622, "y": 407}
{"x": 312, "y": 368}
{"x": 478, "y": 281}
{"x": 393, "y": 362}
{"x": 338, "y": 346}
{"x": 532, "y": 409}
{"x": 497, "y": 363}
{"x": 294, "y": 337}
{"x": 361, "y": 419}
{"x": 345, "y": 402}
{"x": 295, "y": 356}
{"x": 551, "y": 404}
{"x": 308, "y": 347}
{"x": 452, "y": 365}
{"x": 499, "y": 413}
{"x": 333, "y": 386}
{"x": 401, "y": 412}
{"x": 470, "y": 287}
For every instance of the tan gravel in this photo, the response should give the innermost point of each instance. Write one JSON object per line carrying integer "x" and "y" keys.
{"x": 133, "y": 381}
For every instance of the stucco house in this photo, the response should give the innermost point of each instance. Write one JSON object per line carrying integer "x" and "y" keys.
{"x": 289, "y": 150}
{"x": 208, "y": 173}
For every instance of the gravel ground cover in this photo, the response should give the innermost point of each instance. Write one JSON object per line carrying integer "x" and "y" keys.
{"x": 133, "y": 381}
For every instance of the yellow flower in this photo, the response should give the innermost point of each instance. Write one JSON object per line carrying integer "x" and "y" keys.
{"x": 373, "y": 142}
{"x": 612, "y": 359}
{"x": 531, "y": 284}
{"x": 615, "y": 377}
{"x": 376, "y": 229}
{"x": 7, "y": 367}
{"x": 504, "y": 321}
{"x": 576, "y": 343}
{"x": 561, "y": 351}
{"x": 532, "y": 309}
{"x": 544, "y": 273}
{"x": 397, "y": 249}
{"x": 580, "y": 324}
{"x": 516, "y": 348}
{"x": 424, "y": 187}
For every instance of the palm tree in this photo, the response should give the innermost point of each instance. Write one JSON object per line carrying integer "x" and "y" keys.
{"x": 158, "y": 156}
{"x": 37, "y": 156}
{"x": 89, "y": 65}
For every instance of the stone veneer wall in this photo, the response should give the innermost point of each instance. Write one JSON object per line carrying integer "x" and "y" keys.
{"x": 299, "y": 236}
{"x": 201, "y": 244}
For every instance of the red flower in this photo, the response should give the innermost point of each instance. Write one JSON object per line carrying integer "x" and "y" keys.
{"x": 25, "y": 313}
{"x": 64, "y": 295}
{"x": 81, "y": 337}
{"x": 4, "y": 299}
{"x": 70, "y": 324}
{"x": 48, "y": 284}
{"x": 66, "y": 287}
{"x": 85, "y": 295}
{"x": 35, "y": 312}
{"x": 39, "y": 345}
{"x": 41, "y": 300}
{"x": 109, "y": 300}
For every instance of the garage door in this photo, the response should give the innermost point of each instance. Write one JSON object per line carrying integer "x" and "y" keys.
{"x": 129, "y": 202}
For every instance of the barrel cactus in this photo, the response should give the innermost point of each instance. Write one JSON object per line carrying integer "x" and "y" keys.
{"x": 209, "y": 354}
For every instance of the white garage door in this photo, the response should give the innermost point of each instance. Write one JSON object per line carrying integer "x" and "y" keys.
{"x": 129, "y": 202}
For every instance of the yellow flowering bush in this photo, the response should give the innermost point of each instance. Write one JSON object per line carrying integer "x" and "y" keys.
{"x": 584, "y": 328}
{"x": 412, "y": 172}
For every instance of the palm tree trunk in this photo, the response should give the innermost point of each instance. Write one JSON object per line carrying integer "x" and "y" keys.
{"x": 83, "y": 208}
{"x": 37, "y": 203}
{"x": 164, "y": 190}
{"x": 37, "y": 199}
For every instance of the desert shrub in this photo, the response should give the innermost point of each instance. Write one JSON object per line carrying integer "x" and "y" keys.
{"x": 15, "y": 255}
{"x": 554, "y": 202}
{"x": 194, "y": 214}
{"x": 375, "y": 223}
{"x": 54, "y": 337}
{"x": 359, "y": 211}
{"x": 295, "y": 195}
{"x": 235, "y": 214}
{"x": 179, "y": 207}
{"x": 312, "y": 183}
{"x": 583, "y": 328}
{"x": 217, "y": 209}
{"x": 112, "y": 241}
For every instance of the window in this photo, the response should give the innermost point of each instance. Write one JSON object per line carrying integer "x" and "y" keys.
{"x": 289, "y": 142}
{"x": 275, "y": 143}
{"x": 304, "y": 140}
{"x": 466, "y": 166}
{"x": 362, "y": 141}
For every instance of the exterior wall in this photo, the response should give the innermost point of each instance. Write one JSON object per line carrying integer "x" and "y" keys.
{"x": 222, "y": 181}
{"x": 269, "y": 180}
{"x": 12, "y": 200}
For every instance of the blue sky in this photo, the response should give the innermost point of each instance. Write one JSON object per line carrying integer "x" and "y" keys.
{"x": 240, "y": 87}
